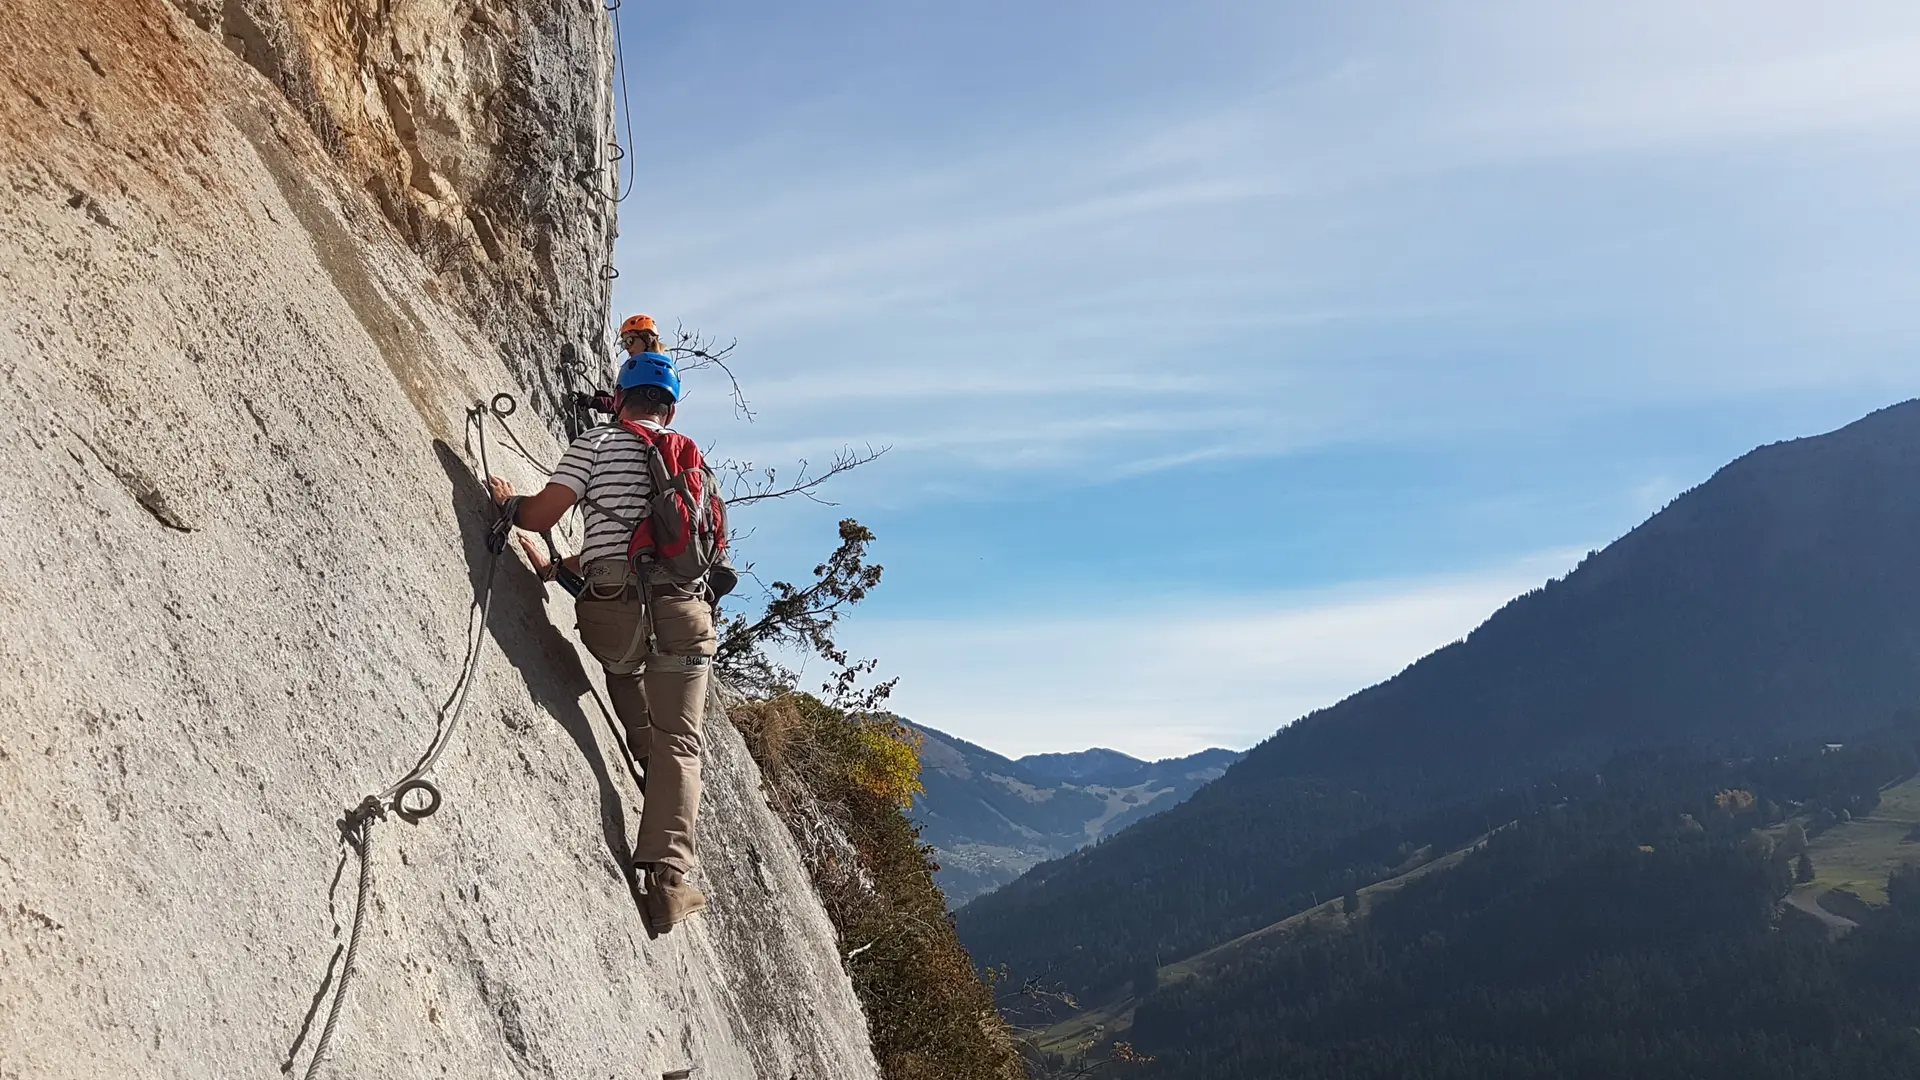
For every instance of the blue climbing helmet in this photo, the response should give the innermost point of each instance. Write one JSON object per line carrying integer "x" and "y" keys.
{"x": 650, "y": 369}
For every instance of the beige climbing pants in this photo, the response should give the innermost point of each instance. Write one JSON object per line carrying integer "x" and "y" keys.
{"x": 659, "y": 695}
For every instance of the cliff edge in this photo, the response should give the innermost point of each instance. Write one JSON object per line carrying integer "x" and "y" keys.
{"x": 258, "y": 260}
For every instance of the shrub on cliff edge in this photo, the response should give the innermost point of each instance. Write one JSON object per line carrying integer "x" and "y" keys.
{"x": 841, "y": 781}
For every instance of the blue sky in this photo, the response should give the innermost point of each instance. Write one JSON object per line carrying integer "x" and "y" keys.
{"x": 1232, "y": 356}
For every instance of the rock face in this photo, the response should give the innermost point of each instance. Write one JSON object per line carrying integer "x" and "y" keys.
{"x": 481, "y": 129}
{"x": 256, "y": 262}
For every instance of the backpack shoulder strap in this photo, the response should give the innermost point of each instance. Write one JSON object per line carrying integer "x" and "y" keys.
{"x": 623, "y": 520}
{"x": 653, "y": 455}
{"x": 657, "y": 464}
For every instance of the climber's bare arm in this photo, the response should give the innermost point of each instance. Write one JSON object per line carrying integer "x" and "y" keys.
{"x": 538, "y": 560}
{"x": 538, "y": 512}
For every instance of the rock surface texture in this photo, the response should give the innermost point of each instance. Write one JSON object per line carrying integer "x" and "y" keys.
{"x": 257, "y": 259}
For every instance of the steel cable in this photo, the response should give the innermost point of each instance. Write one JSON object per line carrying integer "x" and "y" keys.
{"x": 363, "y": 846}
{"x": 625, "y": 153}
{"x": 356, "y": 827}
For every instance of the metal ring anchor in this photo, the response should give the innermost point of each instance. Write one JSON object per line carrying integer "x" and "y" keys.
{"x": 414, "y": 814}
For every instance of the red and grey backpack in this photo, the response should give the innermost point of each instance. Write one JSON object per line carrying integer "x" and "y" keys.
{"x": 683, "y": 536}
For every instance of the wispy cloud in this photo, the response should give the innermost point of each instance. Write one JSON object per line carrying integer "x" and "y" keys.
{"x": 1351, "y": 228}
{"x": 1162, "y": 676}
{"x": 1285, "y": 255}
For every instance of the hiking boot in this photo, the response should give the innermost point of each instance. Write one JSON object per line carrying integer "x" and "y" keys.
{"x": 670, "y": 899}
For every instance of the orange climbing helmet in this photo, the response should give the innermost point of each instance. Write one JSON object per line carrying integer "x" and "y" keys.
{"x": 637, "y": 322}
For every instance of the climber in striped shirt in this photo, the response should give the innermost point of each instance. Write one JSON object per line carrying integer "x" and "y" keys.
{"x": 657, "y": 662}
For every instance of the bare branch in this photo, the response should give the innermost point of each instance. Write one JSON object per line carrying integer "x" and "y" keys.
{"x": 1037, "y": 993}
{"x": 692, "y": 350}
{"x": 1120, "y": 1054}
{"x": 748, "y": 484}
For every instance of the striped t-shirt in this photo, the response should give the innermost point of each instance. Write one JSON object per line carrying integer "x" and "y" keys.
{"x": 606, "y": 468}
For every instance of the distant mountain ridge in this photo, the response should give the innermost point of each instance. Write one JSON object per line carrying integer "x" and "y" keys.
{"x": 1101, "y": 765}
{"x": 1779, "y": 600}
{"x": 991, "y": 817}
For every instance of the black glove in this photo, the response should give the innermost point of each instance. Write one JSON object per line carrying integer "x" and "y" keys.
{"x": 503, "y": 525}
{"x": 597, "y": 401}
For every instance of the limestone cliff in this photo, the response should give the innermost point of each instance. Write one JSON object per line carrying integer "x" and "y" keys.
{"x": 257, "y": 259}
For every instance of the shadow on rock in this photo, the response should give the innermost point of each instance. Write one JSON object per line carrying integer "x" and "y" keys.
{"x": 520, "y": 624}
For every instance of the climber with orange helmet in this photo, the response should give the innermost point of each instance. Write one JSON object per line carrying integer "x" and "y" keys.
{"x": 639, "y": 334}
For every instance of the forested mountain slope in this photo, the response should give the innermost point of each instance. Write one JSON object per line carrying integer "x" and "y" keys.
{"x": 1628, "y": 924}
{"x": 1780, "y": 599}
{"x": 990, "y": 817}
